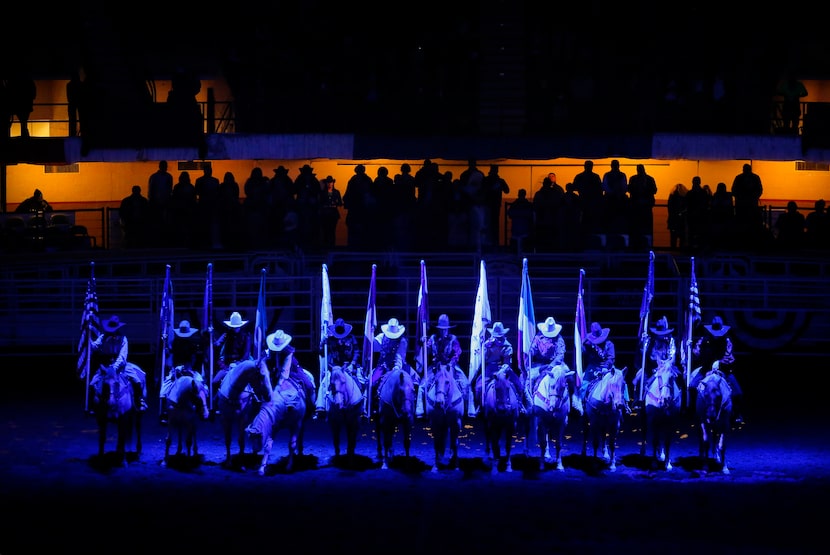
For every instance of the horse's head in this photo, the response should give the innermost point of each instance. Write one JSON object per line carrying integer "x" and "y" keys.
{"x": 115, "y": 393}
{"x": 403, "y": 395}
{"x": 663, "y": 391}
{"x": 341, "y": 384}
{"x": 713, "y": 396}
{"x": 612, "y": 388}
{"x": 443, "y": 387}
{"x": 199, "y": 391}
{"x": 554, "y": 387}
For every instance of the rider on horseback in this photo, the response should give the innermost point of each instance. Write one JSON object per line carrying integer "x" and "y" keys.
{"x": 392, "y": 346}
{"x": 283, "y": 360}
{"x": 343, "y": 350}
{"x": 112, "y": 348}
{"x": 547, "y": 350}
{"x": 600, "y": 357}
{"x": 443, "y": 349}
{"x": 661, "y": 349}
{"x": 498, "y": 352}
{"x": 716, "y": 347}
{"x": 186, "y": 350}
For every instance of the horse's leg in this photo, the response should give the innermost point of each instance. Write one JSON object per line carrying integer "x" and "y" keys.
{"x": 379, "y": 432}
{"x": 542, "y": 434}
{"x": 335, "y": 425}
{"x": 531, "y": 436}
{"x": 722, "y": 449}
{"x": 168, "y": 441}
{"x": 438, "y": 441}
{"x": 560, "y": 437}
{"x": 455, "y": 432}
{"x": 227, "y": 428}
{"x": 293, "y": 441}
{"x": 612, "y": 448}
{"x": 266, "y": 451}
{"x": 508, "y": 445}
{"x": 352, "y": 422}
{"x": 586, "y": 431}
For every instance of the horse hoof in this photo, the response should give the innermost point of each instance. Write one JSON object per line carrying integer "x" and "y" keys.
{"x": 612, "y": 468}
{"x": 669, "y": 467}
{"x": 509, "y": 468}
{"x": 261, "y": 471}
{"x": 725, "y": 470}
{"x": 384, "y": 466}
{"x": 560, "y": 467}
{"x": 434, "y": 470}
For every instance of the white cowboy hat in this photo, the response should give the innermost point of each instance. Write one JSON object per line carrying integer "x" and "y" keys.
{"x": 236, "y": 321}
{"x": 549, "y": 327}
{"x": 598, "y": 333}
{"x": 278, "y": 340}
{"x": 184, "y": 329}
{"x": 498, "y": 330}
{"x": 393, "y": 329}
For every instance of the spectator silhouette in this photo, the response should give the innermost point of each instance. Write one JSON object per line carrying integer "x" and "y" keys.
{"x": 405, "y": 200}
{"x": 722, "y": 216}
{"x": 256, "y": 208}
{"x": 520, "y": 213}
{"x": 383, "y": 192}
{"x": 207, "y": 213}
{"x": 134, "y": 216}
{"x": 747, "y": 191}
{"x": 817, "y": 227}
{"x": 21, "y": 92}
{"x": 360, "y": 205}
{"x": 159, "y": 193}
{"x": 283, "y": 205}
{"x": 308, "y": 209}
{"x": 331, "y": 201}
{"x": 431, "y": 206}
{"x": 791, "y": 91}
{"x": 471, "y": 181}
{"x": 697, "y": 214}
{"x": 183, "y": 207}
{"x": 548, "y": 205}
{"x": 790, "y": 227}
{"x": 615, "y": 188}
{"x": 75, "y": 99}
{"x": 231, "y": 221}
{"x": 676, "y": 219}
{"x": 458, "y": 216}
{"x": 35, "y": 203}
{"x": 642, "y": 189}
{"x": 494, "y": 187}
{"x": 589, "y": 186}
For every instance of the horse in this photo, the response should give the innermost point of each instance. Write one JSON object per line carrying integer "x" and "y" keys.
{"x": 345, "y": 406}
{"x": 186, "y": 404}
{"x": 662, "y": 405}
{"x": 285, "y": 410}
{"x": 242, "y": 390}
{"x": 396, "y": 410}
{"x": 551, "y": 408}
{"x": 501, "y": 415}
{"x": 445, "y": 409}
{"x": 604, "y": 405}
{"x": 713, "y": 408}
{"x": 114, "y": 402}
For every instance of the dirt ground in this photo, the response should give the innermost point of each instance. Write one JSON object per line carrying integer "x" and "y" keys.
{"x": 57, "y": 493}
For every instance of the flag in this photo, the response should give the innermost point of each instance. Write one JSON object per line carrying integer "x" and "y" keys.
{"x": 90, "y": 324}
{"x": 580, "y": 331}
{"x": 692, "y": 316}
{"x": 481, "y": 319}
{"x": 261, "y": 321}
{"x": 423, "y": 317}
{"x": 326, "y": 315}
{"x": 648, "y": 295}
{"x": 527, "y": 320}
{"x": 207, "y": 326}
{"x": 370, "y": 324}
{"x": 166, "y": 323}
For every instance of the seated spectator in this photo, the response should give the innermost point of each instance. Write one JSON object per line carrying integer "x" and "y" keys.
{"x": 35, "y": 203}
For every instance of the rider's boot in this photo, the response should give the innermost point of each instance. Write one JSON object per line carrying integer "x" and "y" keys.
{"x": 138, "y": 393}
{"x": 163, "y": 419}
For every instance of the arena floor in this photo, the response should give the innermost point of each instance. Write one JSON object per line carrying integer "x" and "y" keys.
{"x": 58, "y": 494}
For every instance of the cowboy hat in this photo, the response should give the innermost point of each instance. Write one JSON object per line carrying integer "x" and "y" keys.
{"x": 340, "y": 328}
{"x": 717, "y": 327}
{"x": 598, "y": 333}
{"x": 393, "y": 329}
{"x": 278, "y": 340}
{"x": 661, "y": 327}
{"x": 498, "y": 330}
{"x": 549, "y": 327}
{"x": 113, "y": 324}
{"x": 236, "y": 321}
{"x": 444, "y": 322}
{"x": 184, "y": 329}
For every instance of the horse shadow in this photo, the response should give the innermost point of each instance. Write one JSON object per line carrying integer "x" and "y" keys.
{"x": 406, "y": 465}
{"x": 589, "y": 464}
{"x": 358, "y": 463}
{"x": 184, "y": 462}
{"x": 112, "y": 460}
{"x": 252, "y": 461}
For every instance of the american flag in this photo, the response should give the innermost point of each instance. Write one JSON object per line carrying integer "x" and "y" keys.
{"x": 580, "y": 330}
{"x": 648, "y": 295}
{"x": 90, "y": 324}
{"x": 423, "y": 301}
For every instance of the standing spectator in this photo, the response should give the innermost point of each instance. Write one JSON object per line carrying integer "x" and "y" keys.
{"x": 615, "y": 187}
{"x": 791, "y": 90}
{"x": 359, "y": 203}
{"x": 471, "y": 182}
{"x": 431, "y": 214}
{"x": 207, "y": 214}
{"x": 641, "y": 191}
{"x": 21, "y": 92}
{"x": 382, "y": 191}
{"x": 790, "y": 226}
{"x": 589, "y": 186}
{"x": 697, "y": 214}
{"x": 283, "y": 203}
{"x": 548, "y": 222}
{"x": 330, "y": 204}
{"x": 676, "y": 221}
{"x": 308, "y": 208}
{"x": 747, "y": 191}
{"x": 159, "y": 193}
{"x": 256, "y": 208}
{"x": 494, "y": 187}
{"x": 134, "y": 214}
{"x": 572, "y": 218}
{"x": 183, "y": 211}
{"x": 817, "y": 227}
{"x": 230, "y": 213}
{"x": 404, "y": 193}
{"x": 520, "y": 213}
{"x": 722, "y": 216}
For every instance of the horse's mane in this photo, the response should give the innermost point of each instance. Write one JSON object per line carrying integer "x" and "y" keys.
{"x": 610, "y": 383}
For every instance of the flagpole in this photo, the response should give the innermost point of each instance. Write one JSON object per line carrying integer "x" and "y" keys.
{"x": 326, "y": 318}
{"x": 369, "y": 338}
{"x": 165, "y": 323}
{"x": 579, "y": 330}
{"x": 648, "y": 294}
{"x": 88, "y": 345}
{"x": 689, "y": 324}
{"x": 423, "y": 316}
{"x": 208, "y": 316}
